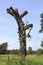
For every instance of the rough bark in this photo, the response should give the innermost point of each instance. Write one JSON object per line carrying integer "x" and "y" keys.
{"x": 21, "y": 29}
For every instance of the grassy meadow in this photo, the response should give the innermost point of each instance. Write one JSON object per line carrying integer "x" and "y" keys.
{"x": 15, "y": 60}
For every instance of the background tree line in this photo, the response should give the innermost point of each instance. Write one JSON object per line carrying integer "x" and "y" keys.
{"x": 4, "y": 50}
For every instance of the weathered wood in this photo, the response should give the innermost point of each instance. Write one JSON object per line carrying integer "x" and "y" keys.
{"x": 28, "y": 26}
{"x": 23, "y": 14}
{"x": 21, "y": 29}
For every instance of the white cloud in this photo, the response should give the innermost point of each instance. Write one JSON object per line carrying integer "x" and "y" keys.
{"x": 12, "y": 43}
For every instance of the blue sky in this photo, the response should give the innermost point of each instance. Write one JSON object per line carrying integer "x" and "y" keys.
{"x": 8, "y": 25}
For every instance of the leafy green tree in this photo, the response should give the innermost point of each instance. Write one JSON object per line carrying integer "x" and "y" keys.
{"x": 42, "y": 44}
{"x": 30, "y": 50}
{"x": 3, "y": 48}
{"x": 16, "y": 51}
{"x": 41, "y": 29}
{"x": 39, "y": 51}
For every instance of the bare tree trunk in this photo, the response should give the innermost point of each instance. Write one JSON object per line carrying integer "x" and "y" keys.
{"x": 21, "y": 29}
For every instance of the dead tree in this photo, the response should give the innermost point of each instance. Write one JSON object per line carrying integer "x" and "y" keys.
{"x": 21, "y": 29}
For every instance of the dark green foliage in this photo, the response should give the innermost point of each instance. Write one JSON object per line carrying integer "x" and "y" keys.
{"x": 39, "y": 51}
{"x": 42, "y": 44}
{"x": 41, "y": 29}
{"x": 30, "y": 50}
{"x": 3, "y": 48}
{"x": 34, "y": 52}
{"x": 42, "y": 15}
{"x": 16, "y": 51}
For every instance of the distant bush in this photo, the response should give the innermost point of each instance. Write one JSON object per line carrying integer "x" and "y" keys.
{"x": 13, "y": 51}
{"x": 39, "y": 51}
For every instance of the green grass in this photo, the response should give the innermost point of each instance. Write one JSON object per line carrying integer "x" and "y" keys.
{"x": 36, "y": 58}
{"x": 15, "y": 60}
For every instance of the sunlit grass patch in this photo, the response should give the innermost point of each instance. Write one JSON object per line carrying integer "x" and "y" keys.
{"x": 13, "y": 59}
